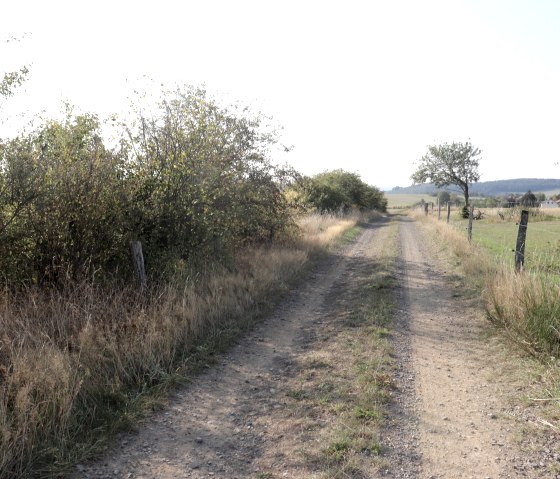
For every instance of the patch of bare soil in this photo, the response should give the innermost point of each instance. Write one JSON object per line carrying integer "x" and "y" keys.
{"x": 449, "y": 416}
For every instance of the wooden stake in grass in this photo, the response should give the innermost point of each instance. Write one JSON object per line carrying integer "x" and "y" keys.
{"x": 138, "y": 261}
{"x": 471, "y": 214}
{"x": 520, "y": 246}
{"x": 448, "y": 211}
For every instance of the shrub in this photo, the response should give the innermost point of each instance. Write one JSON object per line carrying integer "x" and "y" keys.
{"x": 192, "y": 183}
{"x": 340, "y": 190}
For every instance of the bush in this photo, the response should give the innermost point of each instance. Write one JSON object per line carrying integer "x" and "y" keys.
{"x": 61, "y": 203}
{"x": 339, "y": 190}
{"x": 192, "y": 183}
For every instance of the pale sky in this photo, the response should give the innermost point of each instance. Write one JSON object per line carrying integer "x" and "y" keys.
{"x": 360, "y": 85}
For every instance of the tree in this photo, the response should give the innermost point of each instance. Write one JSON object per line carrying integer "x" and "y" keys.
{"x": 529, "y": 199}
{"x": 443, "y": 197}
{"x": 200, "y": 180}
{"x": 12, "y": 80}
{"x": 341, "y": 190}
{"x": 449, "y": 164}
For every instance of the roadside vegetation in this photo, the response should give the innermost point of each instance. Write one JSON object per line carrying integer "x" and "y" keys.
{"x": 338, "y": 191}
{"x": 524, "y": 305}
{"x": 84, "y": 350}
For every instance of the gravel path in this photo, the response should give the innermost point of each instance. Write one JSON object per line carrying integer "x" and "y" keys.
{"x": 219, "y": 425}
{"x": 451, "y": 415}
{"x": 457, "y": 413}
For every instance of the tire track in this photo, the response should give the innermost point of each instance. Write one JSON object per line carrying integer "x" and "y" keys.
{"x": 219, "y": 426}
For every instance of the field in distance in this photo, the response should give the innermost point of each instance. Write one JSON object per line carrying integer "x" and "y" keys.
{"x": 403, "y": 200}
{"x": 498, "y": 236}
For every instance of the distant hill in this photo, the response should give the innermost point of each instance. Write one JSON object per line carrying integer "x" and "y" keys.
{"x": 488, "y": 188}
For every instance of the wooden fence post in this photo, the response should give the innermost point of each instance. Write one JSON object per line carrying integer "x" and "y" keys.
{"x": 438, "y": 209}
{"x": 520, "y": 246}
{"x": 426, "y": 206}
{"x": 471, "y": 215}
{"x": 448, "y": 211}
{"x": 138, "y": 261}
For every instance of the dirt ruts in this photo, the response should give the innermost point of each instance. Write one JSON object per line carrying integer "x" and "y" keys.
{"x": 449, "y": 416}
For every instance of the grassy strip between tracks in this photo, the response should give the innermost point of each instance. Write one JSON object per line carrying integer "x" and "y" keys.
{"x": 344, "y": 380}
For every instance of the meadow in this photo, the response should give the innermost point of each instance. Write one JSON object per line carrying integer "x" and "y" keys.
{"x": 400, "y": 201}
{"x": 498, "y": 236}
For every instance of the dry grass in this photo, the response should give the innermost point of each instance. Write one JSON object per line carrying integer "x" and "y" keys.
{"x": 348, "y": 398}
{"x": 474, "y": 262}
{"x": 75, "y": 366}
{"x": 527, "y": 307}
{"x": 322, "y": 231}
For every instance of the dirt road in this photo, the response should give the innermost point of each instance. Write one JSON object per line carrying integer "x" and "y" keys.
{"x": 448, "y": 418}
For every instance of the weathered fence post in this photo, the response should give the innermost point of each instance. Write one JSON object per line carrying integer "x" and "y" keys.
{"x": 471, "y": 215}
{"x": 520, "y": 246}
{"x": 426, "y": 206}
{"x": 438, "y": 209}
{"x": 138, "y": 261}
{"x": 448, "y": 211}
{"x": 432, "y": 208}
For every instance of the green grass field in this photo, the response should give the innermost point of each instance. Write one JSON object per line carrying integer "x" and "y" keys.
{"x": 542, "y": 248}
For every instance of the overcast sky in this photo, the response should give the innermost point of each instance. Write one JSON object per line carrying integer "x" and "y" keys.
{"x": 361, "y": 85}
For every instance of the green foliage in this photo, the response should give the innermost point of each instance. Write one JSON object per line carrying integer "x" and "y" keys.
{"x": 449, "y": 164}
{"x": 444, "y": 197}
{"x": 193, "y": 183}
{"x": 201, "y": 182}
{"x": 340, "y": 190}
{"x": 12, "y": 80}
{"x": 60, "y": 202}
{"x": 529, "y": 199}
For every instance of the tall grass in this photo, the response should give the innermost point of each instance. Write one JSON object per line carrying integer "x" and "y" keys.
{"x": 77, "y": 365}
{"x": 527, "y": 307}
